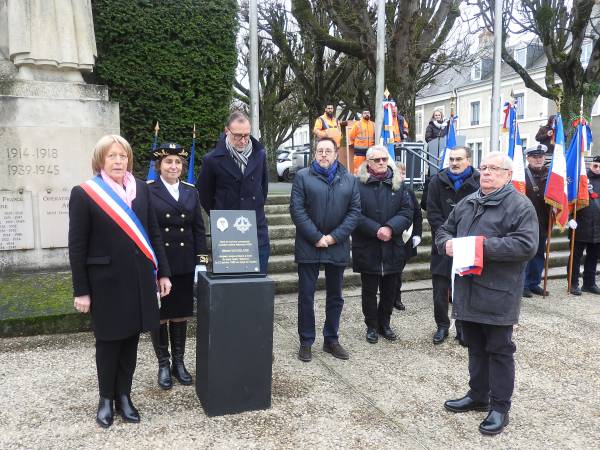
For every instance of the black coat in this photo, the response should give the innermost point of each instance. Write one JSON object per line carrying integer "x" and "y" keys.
{"x": 417, "y": 222}
{"x": 441, "y": 200}
{"x": 222, "y": 185}
{"x": 181, "y": 225}
{"x": 432, "y": 132}
{"x": 108, "y": 266}
{"x": 383, "y": 203}
{"x": 588, "y": 219}
{"x": 542, "y": 209}
{"x": 318, "y": 209}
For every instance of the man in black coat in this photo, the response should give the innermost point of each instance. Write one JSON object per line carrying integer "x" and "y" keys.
{"x": 446, "y": 189}
{"x": 325, "y": 207}
{"x": 378, "y": 252}
{"x": 488, "y": 304}
{"x": 234, "y": 175}
{"x": 587, "y": 236}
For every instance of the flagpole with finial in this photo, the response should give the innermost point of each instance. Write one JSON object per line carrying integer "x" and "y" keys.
{"x": 151, "y": 171}
{"x": 190, "y": 175}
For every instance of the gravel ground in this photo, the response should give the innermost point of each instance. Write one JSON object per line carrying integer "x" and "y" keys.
{"x": 388, "y": 395}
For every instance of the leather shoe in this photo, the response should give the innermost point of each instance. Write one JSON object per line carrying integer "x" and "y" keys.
{"x": 494, "y": 423}
{"x": 575, "y": 290}
{"x": 527, "y": 293}
{"x": 125, "y": 408}
{"x": 336, "y": 350}
{"x": 388, "y": 333}
{"x": 440, "y": 335}
{"x": 372, "y": 336}
{"x": 538, "y": 291}
{"x": 305, "y": 353}
{"x": 594, "y": 289}
{"x": 399, "y": 305}
{"x": 105, "y": 414}
{"x": 465, "y": 404}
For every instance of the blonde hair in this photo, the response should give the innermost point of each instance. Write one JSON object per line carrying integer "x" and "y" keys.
{"x": 401, "y": 166}
{"x": 101, "y": 149}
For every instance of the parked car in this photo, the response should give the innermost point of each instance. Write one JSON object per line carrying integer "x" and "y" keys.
{"x": 285, "y": 161}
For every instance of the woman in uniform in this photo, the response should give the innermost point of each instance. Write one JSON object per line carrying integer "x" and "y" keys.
{"x": 178, "y": 210}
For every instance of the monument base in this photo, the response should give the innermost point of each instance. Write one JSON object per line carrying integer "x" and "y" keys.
{"x": 234, "y": 344}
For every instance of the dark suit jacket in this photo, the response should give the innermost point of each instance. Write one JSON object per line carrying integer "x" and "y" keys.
{"x": 181, "y": 225}
{"x": 107, "y": 265}
{"x": 222, "y": 185}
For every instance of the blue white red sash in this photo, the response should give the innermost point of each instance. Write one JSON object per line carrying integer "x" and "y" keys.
{"x": 108, "y": 200}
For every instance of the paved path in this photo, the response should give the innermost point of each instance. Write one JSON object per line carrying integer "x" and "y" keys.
{"x": 388, "y": 395}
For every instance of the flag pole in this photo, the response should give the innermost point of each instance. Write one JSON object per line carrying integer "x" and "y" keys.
{"x": 549, "y": 236}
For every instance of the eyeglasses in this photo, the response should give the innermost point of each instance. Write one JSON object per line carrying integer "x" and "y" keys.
{"x": 379, "y": 160}
{"x": 494, "y": 169}
{"x": 324, "y": 152}
{"x": 239, "y": 137}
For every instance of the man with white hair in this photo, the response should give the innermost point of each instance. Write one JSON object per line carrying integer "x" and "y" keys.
{"x": 488, "y": 305}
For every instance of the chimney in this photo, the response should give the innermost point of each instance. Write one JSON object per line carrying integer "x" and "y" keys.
{"x": 486, "y": 44}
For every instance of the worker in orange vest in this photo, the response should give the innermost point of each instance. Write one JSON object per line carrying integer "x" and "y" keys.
{"x": 327, "y": 125}
{"x": 361, "y": 137}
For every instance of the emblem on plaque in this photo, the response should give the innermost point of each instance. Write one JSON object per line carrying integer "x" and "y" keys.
{"x": 222, "y": 224}
{"x": 242, "y": 224}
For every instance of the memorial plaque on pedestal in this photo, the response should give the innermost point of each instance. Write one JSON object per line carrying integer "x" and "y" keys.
{"x": 16, "y": 221}
{"x": 54, "y": 218}
{"x": 234, "y": 242}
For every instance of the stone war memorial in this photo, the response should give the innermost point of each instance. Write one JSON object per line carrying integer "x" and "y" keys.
{"x": 50, "y": 120}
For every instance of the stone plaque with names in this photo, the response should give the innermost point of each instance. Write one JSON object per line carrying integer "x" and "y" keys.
{"x": 234, "y": 242}
{"x": 16, "y": 221}
{"x": 54, "y": 218}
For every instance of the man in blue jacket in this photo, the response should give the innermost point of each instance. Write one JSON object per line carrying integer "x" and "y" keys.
{"x": 325, "y": 207}
{"x": 234, "y": 176}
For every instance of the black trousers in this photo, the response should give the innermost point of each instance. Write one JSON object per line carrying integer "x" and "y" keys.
{"x": 115, "y": 364}
{"x": 491, "y": 363}
{"x": 441, "y": 289}
{"x": 592, "y": 251}
{"x": 378, "y": 315}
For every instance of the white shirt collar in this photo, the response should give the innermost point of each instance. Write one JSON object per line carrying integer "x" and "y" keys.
{"x": 172, "y": 188}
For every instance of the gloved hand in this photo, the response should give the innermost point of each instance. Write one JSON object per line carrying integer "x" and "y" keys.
{"x": 199, "y": 268}
{"x": 416, "y": 240}
{"x": 572, "y": 224}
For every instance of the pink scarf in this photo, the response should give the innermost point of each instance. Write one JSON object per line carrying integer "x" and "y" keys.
{"x": 127, "y": 194}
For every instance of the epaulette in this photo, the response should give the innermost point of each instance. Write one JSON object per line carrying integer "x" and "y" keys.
{"x": 189, "y": 184}
{"x": 150, "y": 181}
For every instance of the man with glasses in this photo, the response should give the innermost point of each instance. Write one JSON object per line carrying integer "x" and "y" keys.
{"x": 446, "y": 189}
{"x": 488, "y": 304}
{"x": 234, "y": 176}
{"x": 536, "y": 175}
{"x": 325, "y": 207}
{"x": 378, "y": 252}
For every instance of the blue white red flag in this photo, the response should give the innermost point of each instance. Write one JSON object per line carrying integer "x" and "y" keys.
{"x": 515, "y": 146}
{"x": 190, "y": 174}
{"x": 450, "y": 142}
{"x": 578, "y": 195}
{"x": 556, "y": 186}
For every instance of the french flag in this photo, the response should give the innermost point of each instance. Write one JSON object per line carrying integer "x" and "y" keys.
{"x": 556, "y": 186}
{"x": 578, "y": 195}
{"x": 515, "y": 147}
{"x": 450, "y": 142}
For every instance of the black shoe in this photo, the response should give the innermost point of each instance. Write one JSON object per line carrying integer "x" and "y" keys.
{"x": 125, "y": 408}
{"x": 458, "y": 338}
{"x": 160, "y": 341}
{"x": 372, "y": 336}
{"x": 575, "y": 290}
{"x": 538, "y": 291}
{"x": 594, "y": 289}
{"x": 305, "y": 353}
{"x": 494, "y": 423}
{"x": 388, "y": 333}
{"x": 465, "y": 404}
{"x": 336, "y": 350}
{"x": 105, "y": 414}
{"x": 440, "y": 335}
{"x": 178, "y": 331}
{"x": 527, "y": 293}
{"x": 399, "y": 305}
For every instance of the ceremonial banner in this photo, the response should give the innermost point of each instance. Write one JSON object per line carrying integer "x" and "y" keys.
{"x": 556, "y": 186}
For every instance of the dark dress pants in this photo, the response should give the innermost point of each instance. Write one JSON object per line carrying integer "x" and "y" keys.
{"x": 377, "y": 316}
{"x": 441, "y": 289}
{"x": 264, "y": 251}
{"x": 592, "y": 251}
{"x": 491, "y": 363}
{"x": 308, "y": 273}
{"x": 115, "y": 364}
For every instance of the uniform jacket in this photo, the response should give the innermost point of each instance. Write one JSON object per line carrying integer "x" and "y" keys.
{"x": 383, "y": 203}
{"x": 542, "y": 209}
{"x": 107, "y": 265}
{"x": 588, "y": 219}
{"x": 319, "y": 209}
{"x": 181, "y": 225}
{"x": 509, "y": 224}
{"x": 441, "y": 199}
{"x": 222, "y": 185}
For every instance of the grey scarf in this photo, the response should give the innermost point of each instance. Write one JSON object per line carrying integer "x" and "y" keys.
{"x": 495, "y": 196}
{"x": 241, "y": 158}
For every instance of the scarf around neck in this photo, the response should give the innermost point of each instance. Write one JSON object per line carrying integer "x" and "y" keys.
{"x": 127, "y": 194}
{"x": 240, "y": 158}
{"x": 380, "y": 176}
{"x": 459, "y": 178}
{"x": 498, "y": 194}
{"x": 329, "y": 173}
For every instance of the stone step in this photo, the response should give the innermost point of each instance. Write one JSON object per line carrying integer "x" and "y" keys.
{"x": 280, "y": 208}
{"x": 278, "y": 199}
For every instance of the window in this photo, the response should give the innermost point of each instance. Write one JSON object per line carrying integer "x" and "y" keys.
{"x": 520, "y": 105}
{"x": 476, "y": 151}
{"x": 521, "y": 56}
{"x": 475, "y": 109}
{"x": 586, "y": 52}
{"x": 419, "y": 122}
{"x": 476, "y": 71}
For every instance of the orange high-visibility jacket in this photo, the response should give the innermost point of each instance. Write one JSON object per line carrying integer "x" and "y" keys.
{"x": 325, "y": 127}
{"x": 362, "y": 136}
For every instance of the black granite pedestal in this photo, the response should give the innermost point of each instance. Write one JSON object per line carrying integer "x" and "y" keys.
{"x": 234, "y": 344}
